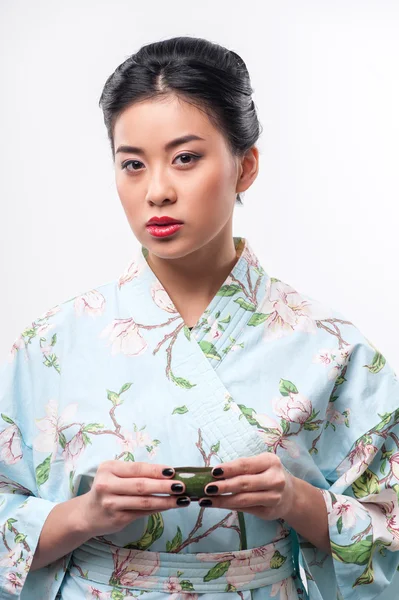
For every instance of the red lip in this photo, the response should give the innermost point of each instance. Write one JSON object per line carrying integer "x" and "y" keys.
{"x": 163, "y": 221}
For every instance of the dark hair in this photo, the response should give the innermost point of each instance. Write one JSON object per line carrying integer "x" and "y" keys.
{"x": 205, "y": 74}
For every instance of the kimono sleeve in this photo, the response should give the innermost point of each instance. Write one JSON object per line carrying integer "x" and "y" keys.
{"x": 24, "y": 381}
{"x": 362, "y": 501}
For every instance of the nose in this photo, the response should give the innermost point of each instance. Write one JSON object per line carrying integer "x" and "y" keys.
{"x": 160, "y": 191}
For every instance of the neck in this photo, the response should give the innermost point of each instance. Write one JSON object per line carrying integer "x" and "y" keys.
{"x": 200, "y": 271}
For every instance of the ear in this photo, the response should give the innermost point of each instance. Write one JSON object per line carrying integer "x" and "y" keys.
{"x": 248, "y": 169}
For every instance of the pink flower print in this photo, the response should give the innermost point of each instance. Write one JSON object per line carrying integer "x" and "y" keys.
{"x": 142, "y": 439}
{"x": 324, "y": 357}
{"x": 347, "y": 510}
{"x": 250, "y": 257}
{"x": 94, "y": 593}
{"x": 357, "y": 461}
{"x": 10, "y": 445}
{"x": 274, "y": 436}
{"x": 288, "y": 311}
{"x": 92, "y": 303}
{"x": 47, "y": 440}
{"x": 394, "y": 460}
{"x": 243, "y": 564}
{"x": 171, "y": 585}
{"x": 285, "y": 588}
{"x": 128, "y": 443}
{"x": 214, "y": 333}
{"x": 152, "y": 453}
{"x": 18, "y": 344}
{"x": 132, "y": 271}
{"x": 161, "y": 298}
{"x": 295, "y": 408}
{"x": 15, "y": 582}
{"x": 136, "y": 567}
{"x": 334, "y": 416}
{"x": 50, "y": 313}
{"x": 73, "y": 449}
{"x": 13, "y": 557}
{"x": 125, "y": 337}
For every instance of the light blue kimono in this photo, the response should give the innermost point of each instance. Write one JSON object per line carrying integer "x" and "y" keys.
{"x": 115, "y": 373}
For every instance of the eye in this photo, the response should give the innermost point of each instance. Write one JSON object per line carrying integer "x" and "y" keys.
{"x": 134, "y": 163}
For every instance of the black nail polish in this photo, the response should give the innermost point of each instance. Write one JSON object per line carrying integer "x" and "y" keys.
{"x": 211, "y": 489}
{"x": 217, "y": 472}
{"x": 168, "y": 472}
{"x": 177, "y": 487}
{"x": 205, "y": 502}
{"x": 184, "y": 501}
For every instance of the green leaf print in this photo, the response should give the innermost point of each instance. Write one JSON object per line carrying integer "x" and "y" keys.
{"x": 366, "y": 577}
{"x": 153, "y": 532}
{"x": 277, "y": 560}
{"x": 258, "y": 319}
{"x": 62, "y": 440}
{"x": 93, "y": 427}
{"x": 187, "y": 332}
{"x": 183, "y": 383}
{"x": 114, "y": 397}
{"x": 186, "y": 585}
{"x": 226, "y": 319}
{"x": 229, "y": 290}
{"x": 175, "y": 543}
{"x": 245, "y": 305}
{"x": 20, "y": 538}
{"x": 125, "y": 387}
{"x": 366, "y": 484}
{"x": 7, "y": 419}
{"x": 209, "y": 350}
{"x": 129, "y": 456}
{"x": 377, "y": 364}
{"x": 217, "y": 571}
{"x": 215, "y": 448}
{"x": 117, "y": 595}
{"x": 230, "y": 588}
{"x": 43, "y": 471}
{"x": 339, "y": 525}
{"x": 180, "y": 410}
{"x": 10, "y": 522}
{"x": 357, "y": 553}
{"x": 248, "y": 414}
{"x": 385, "y": 418}
{"x": 287, "y": 387}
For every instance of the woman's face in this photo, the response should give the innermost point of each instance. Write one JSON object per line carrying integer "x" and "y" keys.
{"x": 194, "y": 182}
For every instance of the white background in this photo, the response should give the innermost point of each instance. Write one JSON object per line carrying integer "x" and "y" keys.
{"x": 323, "y": 212}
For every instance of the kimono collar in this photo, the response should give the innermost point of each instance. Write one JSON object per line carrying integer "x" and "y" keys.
{"x": 236, "y": 304}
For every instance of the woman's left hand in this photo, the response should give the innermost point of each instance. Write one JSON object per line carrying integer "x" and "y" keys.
{"x": 259, "y": 485}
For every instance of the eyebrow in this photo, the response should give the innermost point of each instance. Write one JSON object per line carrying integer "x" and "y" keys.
{"x": 169, "y": 146}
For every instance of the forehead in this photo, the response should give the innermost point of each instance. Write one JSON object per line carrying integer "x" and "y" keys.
{"x": 160, "y": 120}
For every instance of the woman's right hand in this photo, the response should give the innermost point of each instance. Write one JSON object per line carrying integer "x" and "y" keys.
{"x": 124, "y": 491}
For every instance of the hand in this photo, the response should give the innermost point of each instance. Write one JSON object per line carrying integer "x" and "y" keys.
{"x": 258, "y": 485}
{"x": 123, "y": 492}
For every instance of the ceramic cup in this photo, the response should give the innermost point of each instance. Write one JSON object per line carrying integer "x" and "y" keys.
{"x": 195, "y": 479}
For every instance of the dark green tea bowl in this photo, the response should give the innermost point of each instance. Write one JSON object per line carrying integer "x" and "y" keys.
{"x": 195, "y": 480}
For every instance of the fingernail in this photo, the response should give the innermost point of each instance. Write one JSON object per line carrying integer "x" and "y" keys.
{"x": 185, "y": 501}
{"x": 211, "y": 489}
{"x": 168, "y": 472}
{"x": 177, "y": 487}
{"x": 217, "y": 472}
{"x": 205, "y": 502}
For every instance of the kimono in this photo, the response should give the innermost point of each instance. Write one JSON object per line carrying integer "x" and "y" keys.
{"x": 116, "y": 374}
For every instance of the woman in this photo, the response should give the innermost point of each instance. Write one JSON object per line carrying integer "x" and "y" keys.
{"x": 195, "y": 356}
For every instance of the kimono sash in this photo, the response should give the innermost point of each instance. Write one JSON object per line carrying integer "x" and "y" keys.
{"x": 202, "y": 572}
